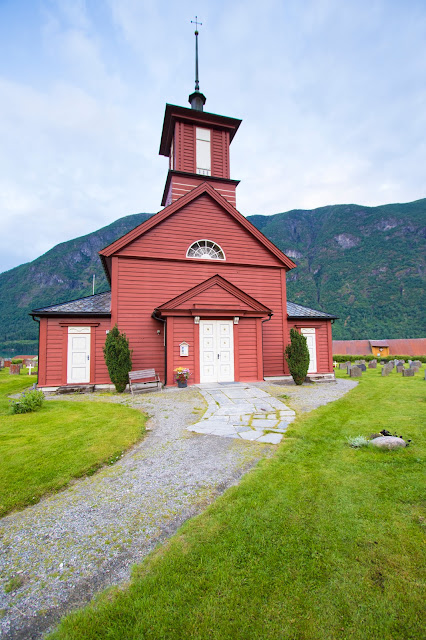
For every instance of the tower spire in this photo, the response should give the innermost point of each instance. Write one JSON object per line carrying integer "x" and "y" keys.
{"x": 197, "y": 100}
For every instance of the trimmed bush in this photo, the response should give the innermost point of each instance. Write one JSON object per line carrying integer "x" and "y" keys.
{"x": 16, "y": 361}
{"x": 28, "y": 402}
{"x": 297, "y": 356}
{"x": 118, "y": 358}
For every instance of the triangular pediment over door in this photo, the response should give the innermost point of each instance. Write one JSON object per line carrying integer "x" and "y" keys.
{"x": 214, "y": 297}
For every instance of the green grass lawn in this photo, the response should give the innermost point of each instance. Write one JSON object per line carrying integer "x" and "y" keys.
{"x": 322, "y": 542}
{"x": 41, "y": 452}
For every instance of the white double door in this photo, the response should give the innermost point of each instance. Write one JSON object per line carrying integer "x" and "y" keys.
{"x": 78, "y": 355}
{"x": 216, "y": 351}
{"x": 309, "y": 334}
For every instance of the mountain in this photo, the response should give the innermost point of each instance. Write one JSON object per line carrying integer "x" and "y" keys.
{"x": 63, "y": 273}
{"x": 363, "y": 264}
{"x": 367, "y": 265}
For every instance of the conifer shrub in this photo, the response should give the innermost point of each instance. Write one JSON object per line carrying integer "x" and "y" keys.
{"x": 297, "y": 356}
{"x": 118, "y": 358}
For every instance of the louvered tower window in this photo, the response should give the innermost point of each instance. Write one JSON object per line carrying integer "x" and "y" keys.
{"x": 205, "y": 249}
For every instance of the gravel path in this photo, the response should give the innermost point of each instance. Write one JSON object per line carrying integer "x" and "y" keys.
{"x": 310, "y": 396}
{"x": 86, "y": 537}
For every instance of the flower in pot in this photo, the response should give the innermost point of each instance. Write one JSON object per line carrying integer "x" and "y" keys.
{"x": 181, "y": 376}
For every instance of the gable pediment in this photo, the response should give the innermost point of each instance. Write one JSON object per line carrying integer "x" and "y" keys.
{"x": 248, "y": 241}
{"x": 215, "y": 296}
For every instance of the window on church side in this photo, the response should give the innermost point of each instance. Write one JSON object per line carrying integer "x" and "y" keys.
{"x": 205, "y": 250}
{"x": 202, "y": 151}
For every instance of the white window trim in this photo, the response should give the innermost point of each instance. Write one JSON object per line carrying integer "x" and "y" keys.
{"x": 199, "y": 258}
{"x": 203, "y": 136}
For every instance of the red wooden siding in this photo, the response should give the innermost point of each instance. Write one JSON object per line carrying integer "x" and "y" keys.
{"x": 220, "y": 153}
{"x": 183, "y": 331}
{"x": 203, "y": 218}
{"x": 323, "y": 341}
{"x": 184, "y": 149}
{"x": 245, "y": 345}
{"x": 54, "y": 334}
{"x": 180, "y": 185}
{"x": 146, "y": 284}
{"x": 247, "y": 349}
{"x": 217, "y": 297}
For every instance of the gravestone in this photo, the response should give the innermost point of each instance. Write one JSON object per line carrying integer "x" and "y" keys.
{"x": 400, "y": 363}
{"x": 408, "y": 372}
{"x": 372, "y": 364}
{"x": 355, "y": 372}
{"x": 15, "y": 369}
{"x": 391, "y": 364}
{"x": 399, "y": 368}
{"x": 416, "y": 363}
{"x": 1, "y": 363}
{"x": 362, "y": 367}
{"x": 343, "y": 365}
{"x": 415, "y": 369}
{"x": 386, "y": 371}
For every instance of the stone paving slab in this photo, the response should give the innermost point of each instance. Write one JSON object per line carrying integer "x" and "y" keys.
{"x": 243, "y": 411}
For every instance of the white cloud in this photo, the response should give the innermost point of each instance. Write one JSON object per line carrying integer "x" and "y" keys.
{"x": 331, "y": 95}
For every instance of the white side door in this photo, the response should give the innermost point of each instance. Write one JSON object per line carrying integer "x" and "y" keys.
{"x": 216, "y": 351}
{"x": 78, "y": 370}
{"x": 309, "y": 334}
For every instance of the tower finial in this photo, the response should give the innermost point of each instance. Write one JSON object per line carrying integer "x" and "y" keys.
{"x": 197, "y": 100}
{"x": 197, "y": 82}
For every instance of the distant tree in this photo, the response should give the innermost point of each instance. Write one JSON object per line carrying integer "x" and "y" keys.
{"x": 297, "y": 356}
{"x": 118, "y": 358}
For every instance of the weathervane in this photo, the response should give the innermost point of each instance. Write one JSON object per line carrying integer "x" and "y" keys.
{"x": 197, "y": 99}
{"x": 197, "y": 82}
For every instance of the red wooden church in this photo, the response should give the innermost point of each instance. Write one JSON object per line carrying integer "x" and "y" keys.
{"x": 196, "y": 285}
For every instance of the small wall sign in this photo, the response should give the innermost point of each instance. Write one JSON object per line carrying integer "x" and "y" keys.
{"x": 184, "y": 349}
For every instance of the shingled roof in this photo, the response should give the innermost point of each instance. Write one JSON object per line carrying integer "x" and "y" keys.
{"x": 100, "y": 304}
{"x": 297, "y": 311}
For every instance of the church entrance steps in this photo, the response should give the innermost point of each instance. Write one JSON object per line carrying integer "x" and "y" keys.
{"x": 243, "y": 411}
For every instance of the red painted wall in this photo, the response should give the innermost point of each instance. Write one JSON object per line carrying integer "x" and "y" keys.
{"x": 154, "y": 269}
{"x": 246, "y": 365}
{"x": 180, "y": 185}
{"x": 147, "y": 283}
{"x": 248, "y": 349}
{"x": 54, "y": 343}
{"x": 203, "y": 218}
{"x": 184, "y": 149}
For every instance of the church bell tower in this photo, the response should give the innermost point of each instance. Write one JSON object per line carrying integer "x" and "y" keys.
{"x": 197, "y": 145}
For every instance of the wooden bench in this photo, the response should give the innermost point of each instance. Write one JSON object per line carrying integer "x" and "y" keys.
{"x": 143, "y": 377}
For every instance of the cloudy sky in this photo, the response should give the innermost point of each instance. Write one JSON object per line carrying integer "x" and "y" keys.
{"x": 332, "y": 95}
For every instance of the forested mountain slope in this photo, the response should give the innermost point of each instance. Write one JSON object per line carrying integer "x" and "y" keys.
{"x": 63, "y": 273}
{"x": 364, "y": 264}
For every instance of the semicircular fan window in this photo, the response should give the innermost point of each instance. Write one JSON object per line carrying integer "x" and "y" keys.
{"x": 206, "y": 250}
